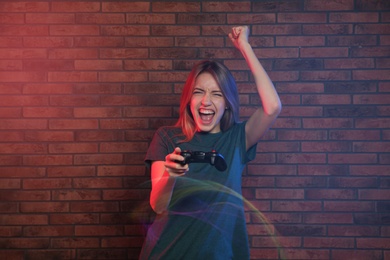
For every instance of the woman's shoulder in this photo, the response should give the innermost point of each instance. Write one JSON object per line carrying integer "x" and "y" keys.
{"x": 169, "y": 132}
{"x": 236, "y": 127}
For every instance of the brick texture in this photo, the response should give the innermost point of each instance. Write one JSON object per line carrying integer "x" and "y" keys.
{"x": 84, "y": 85}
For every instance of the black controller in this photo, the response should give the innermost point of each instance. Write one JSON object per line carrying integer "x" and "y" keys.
{"x": 212, "y": 158}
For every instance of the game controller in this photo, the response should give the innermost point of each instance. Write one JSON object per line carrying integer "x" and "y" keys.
{"x": 212, "y": 158}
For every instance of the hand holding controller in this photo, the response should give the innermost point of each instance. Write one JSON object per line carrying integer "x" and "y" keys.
{"x": 212, "y": 158}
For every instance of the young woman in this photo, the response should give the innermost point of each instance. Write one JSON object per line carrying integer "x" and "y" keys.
{"x": 200, "y": 213}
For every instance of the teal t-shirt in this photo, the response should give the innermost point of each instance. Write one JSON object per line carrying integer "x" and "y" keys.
{"x": 206, "y": 217}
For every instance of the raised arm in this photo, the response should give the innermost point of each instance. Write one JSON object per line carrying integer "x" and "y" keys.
{"x": 262, "y": 119}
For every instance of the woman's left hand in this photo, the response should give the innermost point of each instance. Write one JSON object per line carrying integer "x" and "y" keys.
{"x": 239, "y": 36}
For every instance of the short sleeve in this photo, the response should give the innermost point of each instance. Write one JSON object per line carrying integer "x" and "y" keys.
{"x": 251, "y": 153}
{"x": 158, "y": 148}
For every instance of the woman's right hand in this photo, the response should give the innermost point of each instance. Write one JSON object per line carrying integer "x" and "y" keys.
{"x": 174, "y": 168}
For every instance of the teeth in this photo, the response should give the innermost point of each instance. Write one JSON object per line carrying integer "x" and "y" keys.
{"x": 207, "y": 112}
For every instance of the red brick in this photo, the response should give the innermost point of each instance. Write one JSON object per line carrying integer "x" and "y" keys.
{"x": 292, "y": 194}
{"x": 150, "y": 18}
{"x": 71, "y": 171}
{"x": 326, "y": 29}
{"x": 10, "y": 183}
{"x": 310, "y": 18}
{"x": 328, "y": 218}
{"x": 354, "y": 135}
{"x": 121, "y": 242}
{"x": 12, "y": 18}
{"x": 122, "y": 76}
{"x": 353, "y": 182}
{"x": 371, "y": 99}
{"x": 87, "y": 183}
{"x": 322, "y": 170}
{"x": 41, "y": 207}
{"x": 83, "y": 7}
{"x": 23, "y": 148}
{"x": 98, "y": 159}
{"x": 303, "y": 158}
{"x": 94, "y": 206}
{"x": 47, "y": 88}
{"x": 357, "y": 254}
{"x": 98, "y": 135}
{"x": 109, "y": 112}
{"x": 123, "y": 53}
{"x": 14, "y": 243}
{"x": 353, "y": 231}
{"x": 49, "y": 18}
{"x": 174, "y": 30}
{"x": 352, "y": 158}
{"x": 328, "y": 242}
{"x": 49, "y": 112}
{"x": 359, "y": 17}
{"x": 124, "y": 30}
{"x": 324, "y": 5}
{"x": 371, "y": 147}
{"x": 78, "y": 195}
{"x": 310, "y": 182}
{"x": 47, "y": 184}
{"x": 52, "y": 254}
{"x": 293, "y": 206}
{"x": 350, "y": 206}
{"x": 73, "y": 76}
{"x": 123, "y": 124}
{"x": 230, "y": 7}
{"x": 95, "y": 41}
{"x": 47, "y": 160}
{"x": 272, "y": 170}
{"x": 250, "y": 18}
{"x": 55, "y": 42}
{"x": 98, "y": 230}
{"x": 16, "y": 76}
{"x": 97, "y": 88}
{"x": 121, "y": 170}
{"x": 288, "y": 29}
{"x": 327, "y": 123}
{"x": 45, "y": 231}
{"x": 370, "y": 243}
{"x": 351, "y": 40}
{"x": 23, "y": 219}
{"x": 20, "y": 30}
{"x": 73, "y": 124}
{"x": 147, "y": 64}
{"x": 125, "y": 7}
{"x": 269, "y": 242}
{"x": 368, "y": 194}
{"x": 74, "y": 242}
{"x": 349, "y": 64}
{"x": 175, "y": 7}
{"x": 300, "y": 254}
{"x": 98, "y": 65}
{"x": 50, "y": 136}
{"x": 11, "y": 136}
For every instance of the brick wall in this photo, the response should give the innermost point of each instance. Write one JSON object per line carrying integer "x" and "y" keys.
{"x": 83, "y": 86}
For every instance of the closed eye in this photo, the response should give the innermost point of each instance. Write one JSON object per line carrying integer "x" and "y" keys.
{"x": 197, "y": 91}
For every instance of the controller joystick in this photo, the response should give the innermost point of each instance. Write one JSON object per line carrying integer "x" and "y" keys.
{"x": 212, "y": 158}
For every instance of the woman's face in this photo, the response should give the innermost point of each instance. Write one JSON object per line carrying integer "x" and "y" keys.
{"x": 207, "y": 104}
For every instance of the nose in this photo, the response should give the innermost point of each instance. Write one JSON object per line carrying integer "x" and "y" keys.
{"x": 206, "y": 100}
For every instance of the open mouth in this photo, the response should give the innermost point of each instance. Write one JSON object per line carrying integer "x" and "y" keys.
{"x": 206, "y": 115}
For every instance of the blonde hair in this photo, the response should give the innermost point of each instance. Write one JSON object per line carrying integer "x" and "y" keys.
{"x": 228, "y": 88}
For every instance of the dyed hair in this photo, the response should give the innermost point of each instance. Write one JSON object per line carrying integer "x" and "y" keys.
{"x": 228, "y": 88}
